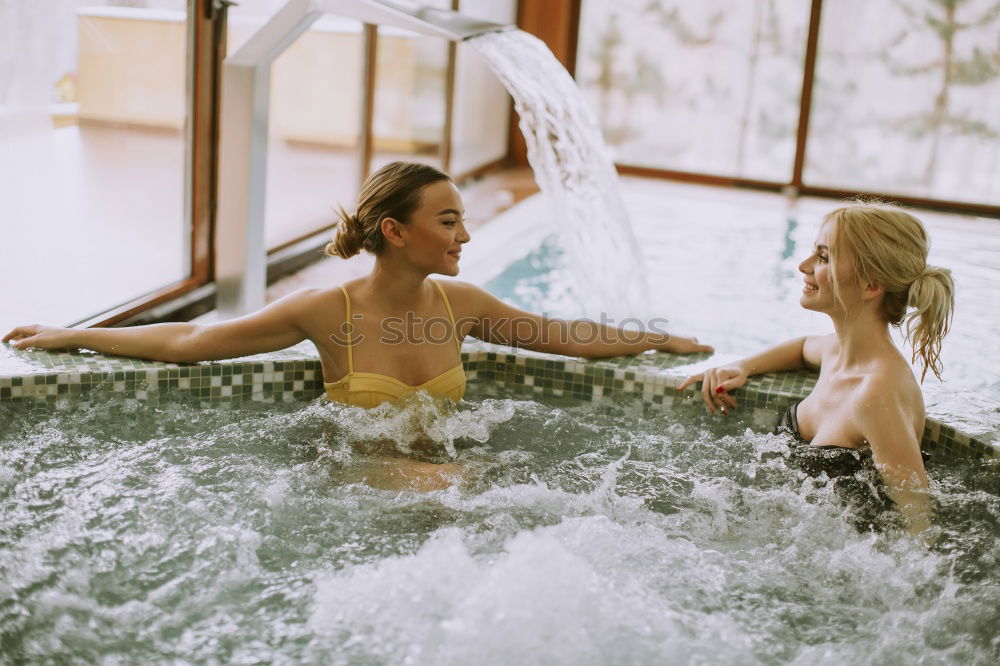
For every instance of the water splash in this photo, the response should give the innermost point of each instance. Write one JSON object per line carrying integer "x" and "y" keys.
{"x": 418, "y": 426}
{"x": 574, "y": 171}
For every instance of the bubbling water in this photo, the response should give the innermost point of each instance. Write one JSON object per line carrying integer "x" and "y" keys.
{"x": 575, "y": 172}
{"x": 594, "y": 534}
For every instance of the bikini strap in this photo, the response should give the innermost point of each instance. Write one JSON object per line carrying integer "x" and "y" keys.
{"x": 451, "y": 315}
{"x": 347, "y": 329}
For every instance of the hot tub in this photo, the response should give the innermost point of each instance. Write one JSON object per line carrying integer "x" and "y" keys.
{"x": 210, "y": 513}
{"x": 155, "y": 512}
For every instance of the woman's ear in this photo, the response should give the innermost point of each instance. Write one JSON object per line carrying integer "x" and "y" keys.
{"x": 392, "y": 230}
{"x": 873, "y": 290}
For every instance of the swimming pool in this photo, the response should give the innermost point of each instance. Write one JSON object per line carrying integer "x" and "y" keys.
{"x": 584, "y": 533}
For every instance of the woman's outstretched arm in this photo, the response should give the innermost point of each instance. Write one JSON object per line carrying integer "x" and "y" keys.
{"x": 796, "y": 354}
{"x": 805, "y": 353}
{"x": 274, "y": 327}
{"x": 495, "y": 321}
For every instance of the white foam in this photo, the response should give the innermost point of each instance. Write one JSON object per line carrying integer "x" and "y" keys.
{"x": 8, "y": 478}
{"x": 586, "y": 591}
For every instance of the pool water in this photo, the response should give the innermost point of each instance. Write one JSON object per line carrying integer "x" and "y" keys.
{"x": 581, "y": 534}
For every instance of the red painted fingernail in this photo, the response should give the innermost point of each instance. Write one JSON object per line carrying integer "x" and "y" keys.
{"x": 719, "y": 390}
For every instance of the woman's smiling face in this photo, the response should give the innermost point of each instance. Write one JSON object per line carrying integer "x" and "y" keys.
{"x": 436, "y": 231}
{"x": 817, "y": 292}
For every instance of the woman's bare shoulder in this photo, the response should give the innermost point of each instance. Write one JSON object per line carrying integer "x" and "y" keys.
{"x": 460, "y": 288}
{"x": 890, "y": 383}
{"x": 314, "y": 302}
{"x": 465, "y": 297}
{"x": 826, "y": 344}
{"x": 817, "y": 348}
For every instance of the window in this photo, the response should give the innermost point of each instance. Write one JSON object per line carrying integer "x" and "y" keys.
{"x": 93, "y": 112}
{"x": 907, "y": 99}
{"x": 711, "y": 87}
{"x": 903, "y": 97}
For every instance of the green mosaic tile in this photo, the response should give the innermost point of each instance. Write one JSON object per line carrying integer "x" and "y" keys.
{"x": 295, "y": 374}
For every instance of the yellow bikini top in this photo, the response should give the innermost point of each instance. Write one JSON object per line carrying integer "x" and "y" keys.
{"x": 369, "y": 389}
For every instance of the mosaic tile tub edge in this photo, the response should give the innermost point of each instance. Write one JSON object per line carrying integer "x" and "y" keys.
{"x": 654, "y": 378}
{"x": 295, "y": 374}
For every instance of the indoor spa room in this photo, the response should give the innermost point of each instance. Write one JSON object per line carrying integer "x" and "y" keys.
{"x": 500, "y": 332}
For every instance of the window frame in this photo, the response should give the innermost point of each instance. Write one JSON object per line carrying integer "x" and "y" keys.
{"x": 206, "y": 48}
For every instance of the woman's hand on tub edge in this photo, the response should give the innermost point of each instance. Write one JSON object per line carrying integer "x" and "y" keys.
{"x": 43, "y": 337}
{"x": 677, "y": 344}
{"x": 716, "y": 384}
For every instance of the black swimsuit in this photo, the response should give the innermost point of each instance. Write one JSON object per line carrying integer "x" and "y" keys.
{"x": 852, "y": 472}
{"x": 836, "y": 461}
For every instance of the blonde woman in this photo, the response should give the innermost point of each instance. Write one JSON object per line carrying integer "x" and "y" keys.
{"x": 386, "y": 335}
{"x": 868, "y": 271}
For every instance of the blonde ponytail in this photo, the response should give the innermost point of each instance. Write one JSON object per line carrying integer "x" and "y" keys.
{"x": 932, "y": 299}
